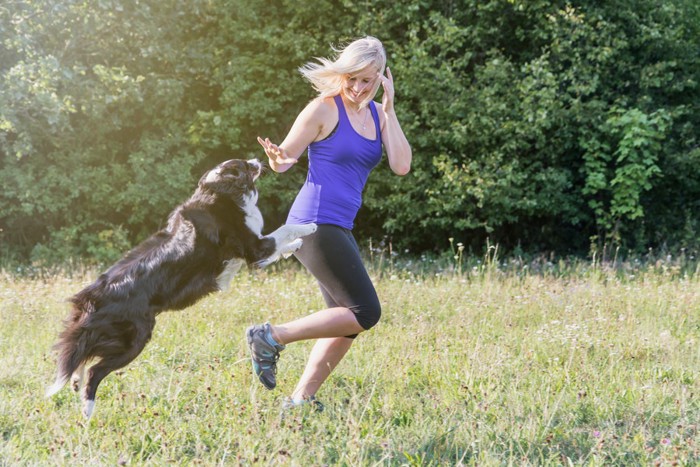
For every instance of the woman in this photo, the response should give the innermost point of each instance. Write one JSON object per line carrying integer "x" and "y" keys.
{"x": 344, "y": 131}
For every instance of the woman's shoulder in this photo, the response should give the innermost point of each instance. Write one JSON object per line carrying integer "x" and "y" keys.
{"x": 321, "y": 108}
{"x": 323, "y": 104}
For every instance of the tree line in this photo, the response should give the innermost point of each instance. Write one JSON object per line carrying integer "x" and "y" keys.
{"x": 558, "y": 126}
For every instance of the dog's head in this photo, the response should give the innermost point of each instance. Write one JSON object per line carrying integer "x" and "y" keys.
{"x": 234, "y": 178}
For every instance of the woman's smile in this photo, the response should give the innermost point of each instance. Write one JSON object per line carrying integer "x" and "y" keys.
{"x": 358, "y": 85}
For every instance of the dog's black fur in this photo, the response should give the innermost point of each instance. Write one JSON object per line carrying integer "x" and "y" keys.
{"x": 208, "y": 238}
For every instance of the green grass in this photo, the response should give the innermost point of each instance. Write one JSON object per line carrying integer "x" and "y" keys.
{"x": 493, "y": 366}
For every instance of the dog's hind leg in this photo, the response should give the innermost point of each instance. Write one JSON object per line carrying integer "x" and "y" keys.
{"x": 114, "y": 356}
{"x": 78, "y": 378}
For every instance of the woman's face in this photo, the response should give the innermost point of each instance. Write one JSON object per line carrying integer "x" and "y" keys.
{"x": 357, "y": 86}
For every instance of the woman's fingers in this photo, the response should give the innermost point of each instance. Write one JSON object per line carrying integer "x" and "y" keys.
{"x": 270, "y": 149}
{"x": 265, "y": 143}
{"x": 274, "y": 152}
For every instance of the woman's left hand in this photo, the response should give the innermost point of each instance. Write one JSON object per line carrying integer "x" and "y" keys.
{"x": 388, "y": 86}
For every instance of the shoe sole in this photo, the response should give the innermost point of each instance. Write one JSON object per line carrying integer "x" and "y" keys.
{"x": 252, "y": 359}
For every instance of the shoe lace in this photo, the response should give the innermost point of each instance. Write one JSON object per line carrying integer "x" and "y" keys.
{"x": 272, "y": 358}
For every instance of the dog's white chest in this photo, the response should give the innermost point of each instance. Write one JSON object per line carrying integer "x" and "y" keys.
{"x": 253, "y": 216}
{"x": 231, "y": 268}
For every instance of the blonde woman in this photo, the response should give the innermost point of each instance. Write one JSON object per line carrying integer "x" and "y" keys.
{"x": 344, "y": 130}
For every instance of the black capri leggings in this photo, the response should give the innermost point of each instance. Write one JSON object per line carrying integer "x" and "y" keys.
{"x": 331, "y": 254}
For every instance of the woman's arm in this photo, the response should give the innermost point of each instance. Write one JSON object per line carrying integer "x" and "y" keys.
{"x": 304, "y": 131}
{"x": 397, "y": 148}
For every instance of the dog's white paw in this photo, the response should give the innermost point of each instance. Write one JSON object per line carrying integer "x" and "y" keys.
{"x": 88, "y": 408}
{"x": 310, "y": 228}
{"x": 292, "y": 231}
{"x": 292, "y": 247}
{"x": 264, "y": 262}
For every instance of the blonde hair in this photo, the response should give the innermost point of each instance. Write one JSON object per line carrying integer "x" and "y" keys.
{"x": 327, "y": 75}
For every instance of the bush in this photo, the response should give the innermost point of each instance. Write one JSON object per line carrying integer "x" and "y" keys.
{"x": 540, "y": 125}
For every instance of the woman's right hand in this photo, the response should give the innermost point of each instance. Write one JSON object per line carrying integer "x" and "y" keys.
{"x": 275, "y": 154}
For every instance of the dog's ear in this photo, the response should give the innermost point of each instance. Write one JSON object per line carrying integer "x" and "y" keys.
{"x": 204, "y": 224}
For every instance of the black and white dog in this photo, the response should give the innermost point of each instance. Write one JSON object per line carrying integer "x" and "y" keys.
{"x": 206, "y": 241}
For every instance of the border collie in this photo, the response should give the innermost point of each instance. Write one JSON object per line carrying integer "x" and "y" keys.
{"x": 207, "y": 240}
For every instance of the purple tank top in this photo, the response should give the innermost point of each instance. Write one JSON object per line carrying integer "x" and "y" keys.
{"x": 338, "y": 170}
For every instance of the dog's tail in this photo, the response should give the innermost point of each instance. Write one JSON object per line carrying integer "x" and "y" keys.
{"x": 72, "y": 346}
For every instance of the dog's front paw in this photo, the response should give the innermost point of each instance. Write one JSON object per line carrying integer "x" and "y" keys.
{"x": 307, "y": 229}
{"x": 292, "y": 247}
{"x": 266, "y": 262}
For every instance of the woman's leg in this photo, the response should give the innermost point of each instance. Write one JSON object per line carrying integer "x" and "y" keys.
{"x": 331, "y": 322}
{"x": 324, "y": 357}
{"x": 333, "y": 257}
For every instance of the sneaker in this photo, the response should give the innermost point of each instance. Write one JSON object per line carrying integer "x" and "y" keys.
{"x": 310, "y": 402}
{"x": 264, "y": 354}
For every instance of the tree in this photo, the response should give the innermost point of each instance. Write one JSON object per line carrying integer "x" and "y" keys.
{"x": 547, "y": 125}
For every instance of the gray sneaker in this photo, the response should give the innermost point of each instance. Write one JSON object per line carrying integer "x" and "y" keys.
{"x": 263, "y": 354}
{"x": 288, "y": 404}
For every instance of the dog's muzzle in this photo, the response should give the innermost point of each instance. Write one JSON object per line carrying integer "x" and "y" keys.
{"x": 257, "y": 166}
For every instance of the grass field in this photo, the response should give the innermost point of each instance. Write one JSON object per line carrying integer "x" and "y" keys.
{"x": 482, "y": 364}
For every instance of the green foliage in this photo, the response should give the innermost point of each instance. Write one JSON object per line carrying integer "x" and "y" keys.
{"x": 542, "y": 125}
{"x": 486, "y": 137}
{"x": 621, "y": 166}
{"x": 555, "y": 131}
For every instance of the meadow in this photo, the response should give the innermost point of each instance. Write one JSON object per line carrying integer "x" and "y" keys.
{"x": 477, "y": 362}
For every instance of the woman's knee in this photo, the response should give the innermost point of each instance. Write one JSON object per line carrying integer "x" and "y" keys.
{"x": 368, "y": 316}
